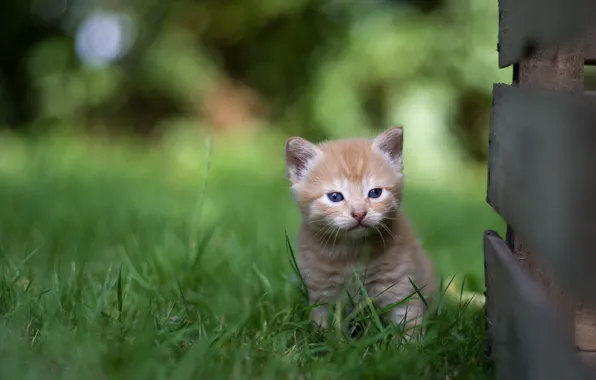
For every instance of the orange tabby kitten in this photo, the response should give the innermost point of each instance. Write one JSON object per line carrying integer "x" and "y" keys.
{"x": 349, "y": 193}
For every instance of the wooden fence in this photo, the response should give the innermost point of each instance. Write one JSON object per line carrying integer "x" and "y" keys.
{"x": 541, "y": 280}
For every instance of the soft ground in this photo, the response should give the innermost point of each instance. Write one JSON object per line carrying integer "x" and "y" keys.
{"x": 120, "y": 260}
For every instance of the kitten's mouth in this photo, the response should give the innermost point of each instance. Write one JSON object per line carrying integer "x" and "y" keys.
{"x": 357, "y": 227}
{"x": 358, "y": 231}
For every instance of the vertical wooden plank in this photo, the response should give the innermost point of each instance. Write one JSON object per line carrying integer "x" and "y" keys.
{"x": 590, "y": 46}
{"x": 543, "y": 179}
{"x": 589, "y": 358}
{"x": 585, "y": 328}
{"x": 526, "y": 25}
{"x": 585, "y": 317}
{"x": 530, "y": 263}
{"x": 528, "y": 341}
{"x": 561, "y": 69}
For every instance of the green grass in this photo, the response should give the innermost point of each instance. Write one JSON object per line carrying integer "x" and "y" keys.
{"x": 119, "y": 261}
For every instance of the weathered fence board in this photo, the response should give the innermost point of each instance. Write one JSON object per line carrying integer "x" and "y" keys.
{"x": 535, "y": 25}
{"x": 585, "y": 331}
{"x": 528, "y": 341}
{"x": 557, "y": 68}
{"x": 542, "y": 181}
{"x": 548, "y": 67}
{"x": 590, "y": 46}
{"x": 589, "y": 358}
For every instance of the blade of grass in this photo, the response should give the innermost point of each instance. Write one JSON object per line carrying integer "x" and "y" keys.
{"x": 120, "y": 298}
{"x": 376, "y": 319}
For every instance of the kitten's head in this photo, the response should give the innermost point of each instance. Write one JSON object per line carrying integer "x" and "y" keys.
{"x": 350, "y": 186}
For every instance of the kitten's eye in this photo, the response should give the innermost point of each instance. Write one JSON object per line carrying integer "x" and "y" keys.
{"x": 375, "y": 193}
{"x": 335, "y": 197}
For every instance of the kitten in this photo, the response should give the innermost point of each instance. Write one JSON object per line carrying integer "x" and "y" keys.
{"x": 349, "y": 193}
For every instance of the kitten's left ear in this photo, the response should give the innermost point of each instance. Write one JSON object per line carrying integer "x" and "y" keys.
{"x": 299, "y": 156}
{"x": 390, "y": 143}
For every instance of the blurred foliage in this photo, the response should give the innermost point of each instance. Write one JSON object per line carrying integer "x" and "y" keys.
{"x": 321, "y": 68}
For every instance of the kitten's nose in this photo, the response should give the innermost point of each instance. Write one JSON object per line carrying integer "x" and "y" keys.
{"x": 359, "y": 216}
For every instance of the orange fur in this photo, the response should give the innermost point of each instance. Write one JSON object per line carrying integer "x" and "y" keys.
{"x": 330, "y": 248}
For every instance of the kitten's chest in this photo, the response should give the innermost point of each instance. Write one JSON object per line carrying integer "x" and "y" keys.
{"x": 351, "y": 279}
{"x": 350, "y": 273}
{"x": 350, "y": 266}
{"x": 360, "y": 273}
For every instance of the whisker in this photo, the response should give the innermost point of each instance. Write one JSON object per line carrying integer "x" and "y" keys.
{"x": 321, "y": 231}
{"x": 383, "y": 225}
{"x": 390, "y": 215}
{"x": 335, "y": 238}
{"x": 381, "y": 235}
{"x": 324, "y": 230}
{"x": 325, "y": 237}
{"x": 328, "y": 238}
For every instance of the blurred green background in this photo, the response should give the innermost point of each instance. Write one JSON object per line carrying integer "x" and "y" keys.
{"x": 166, "y": 75}
{"x": 149, "y": 135}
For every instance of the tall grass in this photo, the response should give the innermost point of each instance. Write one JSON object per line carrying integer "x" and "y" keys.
{"x": 125, "y": 261}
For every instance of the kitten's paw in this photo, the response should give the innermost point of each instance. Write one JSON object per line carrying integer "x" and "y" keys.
{"x": 320, "y": 316}
{"x": 409, "y": 317}
{"x": 321, "y": 323}
{"x": 413, "y": 330}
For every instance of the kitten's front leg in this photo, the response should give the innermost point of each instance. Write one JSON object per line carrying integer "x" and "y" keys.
{"x": 321, "y": 302}
{"x": 408, "y": 314}
{"x": 322, "y": 294}
{"x": 320, "y": 315}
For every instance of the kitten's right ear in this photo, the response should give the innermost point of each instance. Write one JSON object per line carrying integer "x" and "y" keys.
{"x": 390, "y": 143}
{"x": 299, "y": 156}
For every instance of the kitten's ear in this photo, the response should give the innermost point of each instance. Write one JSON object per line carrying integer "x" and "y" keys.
{"x": 299, "y": 155}
{"x": 390, "y": 143}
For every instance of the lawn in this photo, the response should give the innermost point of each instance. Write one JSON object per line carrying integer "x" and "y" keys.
{"x": 126, "y": 260}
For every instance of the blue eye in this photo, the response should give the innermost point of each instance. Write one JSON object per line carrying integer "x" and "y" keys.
{"x": 335, "y": 197}
{"x": 375, "y": 193}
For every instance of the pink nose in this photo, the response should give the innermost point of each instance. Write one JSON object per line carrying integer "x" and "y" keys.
{"x": 359, "y": 216}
